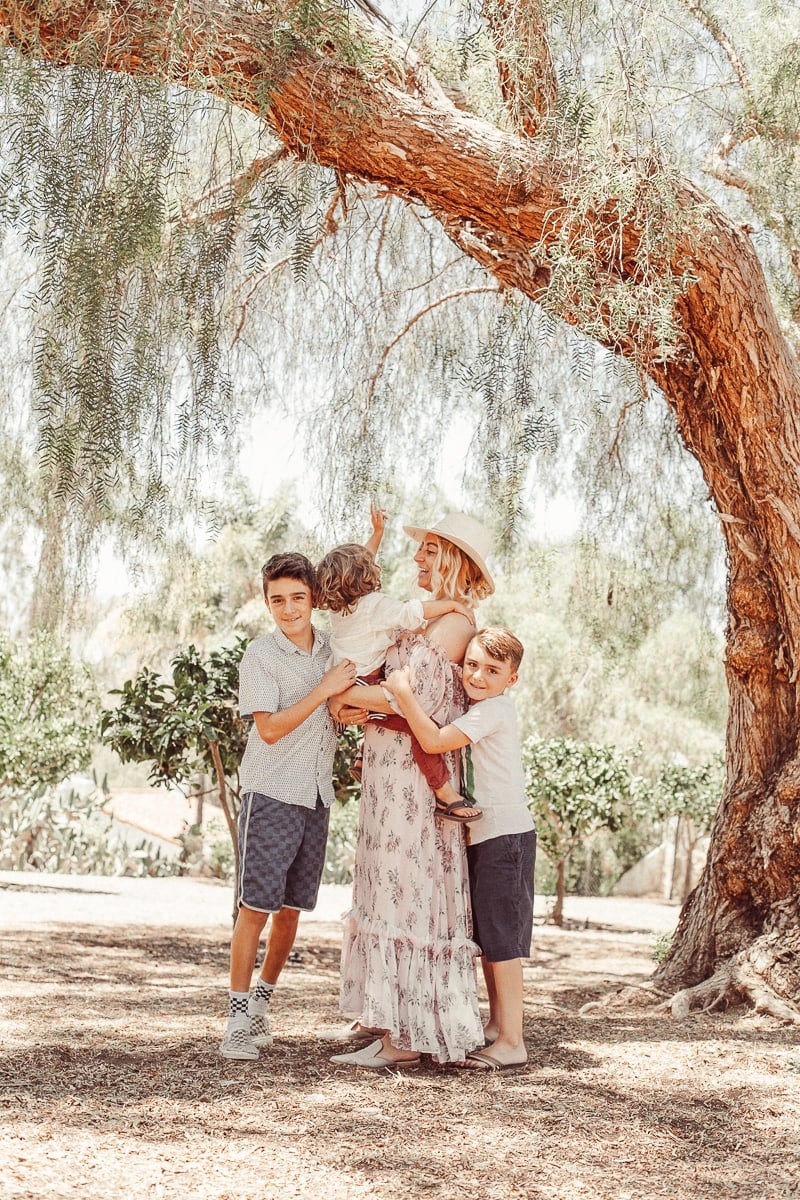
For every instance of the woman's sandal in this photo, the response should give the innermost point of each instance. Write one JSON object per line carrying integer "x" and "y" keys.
{"x": 447, "y": 811}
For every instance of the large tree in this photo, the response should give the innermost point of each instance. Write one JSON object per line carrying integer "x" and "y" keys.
{"x": 615, "y": 242}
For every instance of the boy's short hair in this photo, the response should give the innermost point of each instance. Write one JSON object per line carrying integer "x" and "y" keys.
{"x": 501, "y": 643}
{"x": 344, "y": 575}
{"x": 288, "y": 566}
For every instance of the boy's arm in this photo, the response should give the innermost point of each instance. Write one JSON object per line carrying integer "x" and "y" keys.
{"x": 432, "y": 739}
{"x": 273, "y": 726}
{"x": 378, "y": 518}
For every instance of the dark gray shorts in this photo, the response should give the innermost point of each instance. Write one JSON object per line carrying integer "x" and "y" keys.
{"x": 281, "y": 853}
{"x": 501, "y": 887}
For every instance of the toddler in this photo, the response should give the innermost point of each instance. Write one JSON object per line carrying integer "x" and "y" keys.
{"x": 364, "y": 623}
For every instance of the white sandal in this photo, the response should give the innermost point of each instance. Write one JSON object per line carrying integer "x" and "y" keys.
{"x": 370, "y": 1056}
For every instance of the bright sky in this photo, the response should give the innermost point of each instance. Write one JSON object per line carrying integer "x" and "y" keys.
{"x": 273, "y": 456}
{"x": 554, "y": 519}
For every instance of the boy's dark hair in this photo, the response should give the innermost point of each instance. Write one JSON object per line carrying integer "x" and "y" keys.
{"x": 345, "y": 575}
{"x": 288, "y": 566}
{"x": 501, "y": 643}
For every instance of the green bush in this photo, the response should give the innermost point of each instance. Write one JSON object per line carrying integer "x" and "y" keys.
{"x": 65, "y": 831}
{"x": 341, "y": 852}
{"x": 574, "y": 789}
{"x": 48, "y": 716}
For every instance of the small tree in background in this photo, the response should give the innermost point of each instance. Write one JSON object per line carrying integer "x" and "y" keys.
{"x": 692, "y": 795}
{"x": 48, "y": 714}
{"x": 574, "y": 789}
{"x": 185, "y": 726}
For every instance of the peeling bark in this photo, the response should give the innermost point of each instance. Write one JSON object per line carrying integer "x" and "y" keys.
{"x": 733, "y": 381}
{"x": 524, "y": 62}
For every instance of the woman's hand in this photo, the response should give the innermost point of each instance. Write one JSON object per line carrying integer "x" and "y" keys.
{"x": 465, "y": 611}
{"x": 346, "y": 714}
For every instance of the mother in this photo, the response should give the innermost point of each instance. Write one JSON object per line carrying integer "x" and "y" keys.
{"x": 408, "y": 957}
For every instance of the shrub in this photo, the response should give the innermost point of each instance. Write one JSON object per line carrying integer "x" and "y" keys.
{"x": 574, "y": 789}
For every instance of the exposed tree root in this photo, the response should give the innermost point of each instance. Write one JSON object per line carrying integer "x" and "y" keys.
{"x": 742, "y": 978}
{"x": 764, "y": 975}
{"x": 633, "y": 996}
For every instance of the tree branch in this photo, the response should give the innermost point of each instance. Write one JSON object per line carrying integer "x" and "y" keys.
{"x": 235, "y": 190}
{"x": 712, "y": 26}
{"x": 458, "y": 294}
{"x": 717, "y": 162}
{"x": 329, "y": 229}
{"x": 524, "y": 62}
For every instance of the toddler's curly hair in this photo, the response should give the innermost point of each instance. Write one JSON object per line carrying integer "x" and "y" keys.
{"x": 344, "y": 575}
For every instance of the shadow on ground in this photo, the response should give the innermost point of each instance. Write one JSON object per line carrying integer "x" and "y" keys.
{"x": 110, "y": 1068}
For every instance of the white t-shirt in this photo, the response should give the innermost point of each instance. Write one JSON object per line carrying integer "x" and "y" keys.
{"x": 365, "y": 634}
{"x": 491, "y": 726}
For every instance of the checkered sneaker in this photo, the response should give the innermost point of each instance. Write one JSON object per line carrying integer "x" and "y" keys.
{"x": 260, "y": 1031}
{"x": 237, "y": 1043}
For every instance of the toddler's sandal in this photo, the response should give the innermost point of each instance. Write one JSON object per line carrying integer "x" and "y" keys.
{"x": 448, "y": 811}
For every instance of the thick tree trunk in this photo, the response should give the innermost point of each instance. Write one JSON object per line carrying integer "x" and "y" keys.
{"x": 733, "y": 384}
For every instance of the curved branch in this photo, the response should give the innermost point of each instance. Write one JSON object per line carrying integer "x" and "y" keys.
{"x": 456, "y": 295}
{"x": 717, "y": 162}
{"x": 712, "y": 26}
{"x": 329, "y": 229}
{"x": 235, "y": 190}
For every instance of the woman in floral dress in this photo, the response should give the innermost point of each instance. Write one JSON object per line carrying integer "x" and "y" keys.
{"x": 408, "y": 956}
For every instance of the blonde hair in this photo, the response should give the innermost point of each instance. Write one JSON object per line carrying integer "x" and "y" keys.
{"x": 345, "y": 575}
{"x": 455, "y": 576}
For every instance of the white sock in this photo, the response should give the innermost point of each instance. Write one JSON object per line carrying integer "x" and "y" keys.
{"x": 238, "y": 1016}
{"x": 260, "y": 998}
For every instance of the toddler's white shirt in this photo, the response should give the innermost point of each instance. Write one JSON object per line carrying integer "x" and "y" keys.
{"x": 365, "y": 634}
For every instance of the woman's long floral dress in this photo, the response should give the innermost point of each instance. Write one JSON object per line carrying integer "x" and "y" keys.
{"x": 408, "y": 957}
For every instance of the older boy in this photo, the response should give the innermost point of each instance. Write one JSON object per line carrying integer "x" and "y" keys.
{"x": 502, "y": 843}
{"x": 286, "y": 780}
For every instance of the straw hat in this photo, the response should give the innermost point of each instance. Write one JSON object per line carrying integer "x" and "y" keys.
{"x": 463, "y": 531}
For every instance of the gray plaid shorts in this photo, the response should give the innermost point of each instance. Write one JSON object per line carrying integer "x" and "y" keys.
{"x": 281, "y": 853}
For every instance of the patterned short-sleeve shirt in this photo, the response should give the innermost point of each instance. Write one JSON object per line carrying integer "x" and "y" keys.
{"x": 275, "y": 674}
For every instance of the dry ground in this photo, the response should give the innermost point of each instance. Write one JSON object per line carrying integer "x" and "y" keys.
{"x": 112, "y": 1086}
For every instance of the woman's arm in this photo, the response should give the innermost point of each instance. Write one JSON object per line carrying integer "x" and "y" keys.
{"x": 370, "y": 696}
{"x": 433, "y": 609}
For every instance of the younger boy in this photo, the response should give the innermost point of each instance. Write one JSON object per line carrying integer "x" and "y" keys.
{"x": 502, "y": 844}
{"x": 286, "y": 777}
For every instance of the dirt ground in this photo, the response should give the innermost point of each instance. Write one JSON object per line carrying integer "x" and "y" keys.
{"x": 111, "y": 1084}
